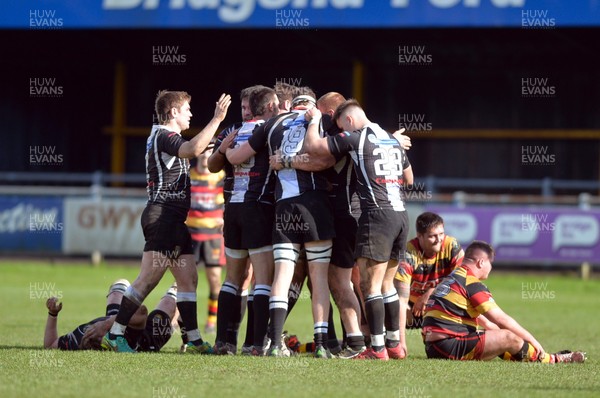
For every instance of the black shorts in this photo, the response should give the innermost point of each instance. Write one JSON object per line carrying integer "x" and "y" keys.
{"x": 157, "y": 333}
{"x": 248, "y": 225}
{"x": 462, "y": 348}
{"x": 209, "y": 252}
{"x": 342, "y": 254}
{"x": 382, "y": 235}
{"x": 165, "y": 231}
{"x": 304, "y": 218}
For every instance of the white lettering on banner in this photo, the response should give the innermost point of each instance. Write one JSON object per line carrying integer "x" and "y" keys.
{"x": 575, "y": 230}
{"x": 111, "y": 226}
{"x": 462, "y": 226}
{"x": 20, "y": 218}
{"x": 235, "y": 11}
{"x": 507, "y": 229}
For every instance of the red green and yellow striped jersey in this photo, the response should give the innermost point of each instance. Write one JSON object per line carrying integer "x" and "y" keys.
{"x": 421, "y": 272}
{"x": 456, "y": 303}
{"x": 205, "y": 217}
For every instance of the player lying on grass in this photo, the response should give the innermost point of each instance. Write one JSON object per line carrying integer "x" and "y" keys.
{"x": 147, "y": 332}
{"x": 463, "y": 322}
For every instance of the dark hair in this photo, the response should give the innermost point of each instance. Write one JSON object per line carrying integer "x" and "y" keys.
{"x": 479, "y": 245}
{"x": 285, "y": 92}
{"x": 167, "y": 100}
{"x": 247, "y": 92}
{"x": 259, "y": 100}
{"x": 343, "y": 106}
{"x": 428, "y": 220}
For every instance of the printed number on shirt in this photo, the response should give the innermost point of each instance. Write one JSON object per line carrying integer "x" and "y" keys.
{"x": 292, "y": 140}
{"x": 389, "y": 162}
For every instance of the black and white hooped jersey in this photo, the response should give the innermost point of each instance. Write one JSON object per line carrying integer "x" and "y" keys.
{"x": 286, "y": 133}
{"x": 379, "y": 162}
{"x": 252, "y": 180}
{"x": 228, "y": 168}
{"x": 167, "y": 174}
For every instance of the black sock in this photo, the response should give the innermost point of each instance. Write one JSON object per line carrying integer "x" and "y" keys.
{"x": 332, "y": 340}
{"x": 225, "y": 310}
{"x": 234, "y": 321}
{"x": 250, "y": 322}
{"x": 293, "y": 296}
{"x": 189, "y": 316}
{"x": 277, "y": 316}
{"x": 375, "y": 317}
{"x": 261, "y": 318}
{"x": 320, "y": 339}
{"x": 356, "y": 342}
{"x": 392, "y": 316}
{"x": 112, "y": 309}
{"x": 184, "y": 338}
{"x": 128, "y": 308}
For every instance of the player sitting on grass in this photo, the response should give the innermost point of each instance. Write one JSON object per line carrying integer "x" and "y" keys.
{"x": 463, "y": 322}
{"x": 147, "y": 332}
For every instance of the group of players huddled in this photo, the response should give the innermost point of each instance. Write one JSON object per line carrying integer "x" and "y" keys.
{"x": 311, "y": 188}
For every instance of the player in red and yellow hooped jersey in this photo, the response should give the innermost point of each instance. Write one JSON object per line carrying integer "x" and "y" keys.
{"x": 430, "y": 257}
{"x": 463, "y": 322}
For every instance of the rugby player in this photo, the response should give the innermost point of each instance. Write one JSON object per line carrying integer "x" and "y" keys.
{"x": 463, "y": 322}
{"x": 303, "y": 216}
{"x": 430, "y": 257}
{"x": 168, "y": 240}
{"x": 382, "y": 167}
{"x": 248, "y": 222}
{"x": 145, "y": 332}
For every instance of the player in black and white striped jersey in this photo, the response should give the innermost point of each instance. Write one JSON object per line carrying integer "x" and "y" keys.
{"x": 382, "y": 168}
{"x": 248, "y": 216}
{"x": 303, "y": 216}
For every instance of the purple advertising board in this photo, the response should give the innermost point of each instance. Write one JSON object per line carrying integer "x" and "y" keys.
{"x": 528, "y": 234}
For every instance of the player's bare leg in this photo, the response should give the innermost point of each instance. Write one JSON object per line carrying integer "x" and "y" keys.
{"x": 343, "y": 293}
{"x": 372, "y": 275}
{"x": 318, "y": 255}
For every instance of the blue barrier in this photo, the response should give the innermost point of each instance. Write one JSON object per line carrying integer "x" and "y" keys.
{"x": 31, "y": 224}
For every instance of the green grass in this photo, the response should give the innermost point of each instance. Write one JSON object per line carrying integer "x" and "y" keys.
{"x": 562, "y": 312}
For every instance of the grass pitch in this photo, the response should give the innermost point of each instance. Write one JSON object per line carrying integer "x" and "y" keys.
{"x": 562, "y": 312}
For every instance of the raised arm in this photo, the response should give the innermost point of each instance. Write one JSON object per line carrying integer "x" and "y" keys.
{"x": 51, "y": 331}
{"x": 194, "y": 147}
{"x": 314, "y": 145}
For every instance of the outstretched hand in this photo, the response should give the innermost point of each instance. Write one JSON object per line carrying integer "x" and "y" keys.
{"x": 404, "y": 140}
{"x": 222, "y": 106}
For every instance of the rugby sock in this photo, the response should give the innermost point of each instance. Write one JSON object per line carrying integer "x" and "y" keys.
{"x": 355, "y": 341}
{"x": 278, "y": 308}
{"x": 332, "y": 341}
{"x": 261, "y": 313}
{"x": 213, "y": 306}
{"x": 375, "y": 317}
{"x": 526, "y": 353}
{"x": 130, "y": 303}
{"x": 112, "y": 309}
{"x": 226, "y": 308}
{"x": 293, "y": 296}
{"x": 249, "y": 340}
{"x": 238, "y": 309}
{"x": 187, "y": 306}
{"x": 184, "y": 337}
{"x": 320, "y": 332}
{"x": 391, "y": 305}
